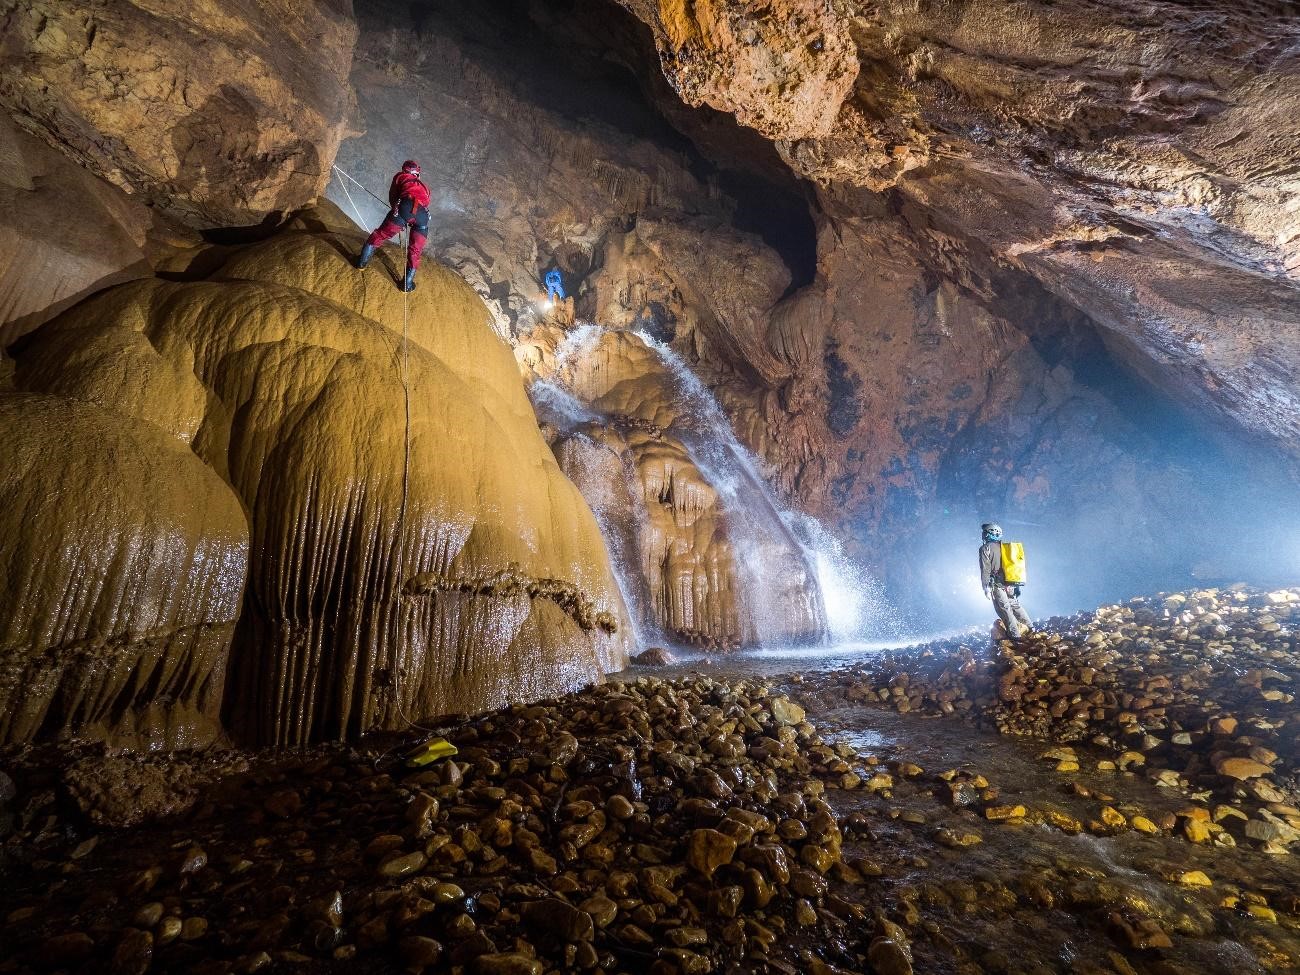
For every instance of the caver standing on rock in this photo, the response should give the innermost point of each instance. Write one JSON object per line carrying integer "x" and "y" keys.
{"x": 410, "y": 201}
{"x": 993, "y": 577}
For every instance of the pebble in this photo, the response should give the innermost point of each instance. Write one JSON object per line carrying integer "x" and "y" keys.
{"x": 888, "y": 957}
{"x": 507, "y": 963}
{"x": 134, "y": 953}
{"x": 398, "y": 865}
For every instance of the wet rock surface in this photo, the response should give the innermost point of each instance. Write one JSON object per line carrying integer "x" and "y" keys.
{"x": 825, "y": 822}
{"x": 1194, "y": 692}
{"x": 269, "y": 479}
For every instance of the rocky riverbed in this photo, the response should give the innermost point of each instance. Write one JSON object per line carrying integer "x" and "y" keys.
{"x": 1114, "y": 795}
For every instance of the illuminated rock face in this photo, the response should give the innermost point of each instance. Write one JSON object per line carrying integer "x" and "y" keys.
{"x": 703, "y": 548}
{"x": 248, "y": 435}
{"x": 221, "y": 111}
{"x": 782, "y": 71}
{"x": 1140, "y": 166}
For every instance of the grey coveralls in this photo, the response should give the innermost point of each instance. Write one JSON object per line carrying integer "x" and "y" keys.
{"x": 1004, "y": 597}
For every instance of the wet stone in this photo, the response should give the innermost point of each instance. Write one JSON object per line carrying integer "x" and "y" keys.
{"x": 398, "y": 865}
{"x": 889, "y": 957}
{"x": 554, "y": 917}
{"x": 709, "y": 849}
{"x": 134, "y": 953}
{"x": 507, "y": 963}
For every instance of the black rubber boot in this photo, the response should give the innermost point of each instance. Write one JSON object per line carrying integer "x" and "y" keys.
{"x": 364, "y": 257}
{"x": 410, "y": 280}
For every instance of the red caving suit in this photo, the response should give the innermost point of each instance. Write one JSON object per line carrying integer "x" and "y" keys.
{"x": 410, "y": 200}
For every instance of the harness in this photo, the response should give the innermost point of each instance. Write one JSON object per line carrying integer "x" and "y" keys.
{"x": 411, "y": 198}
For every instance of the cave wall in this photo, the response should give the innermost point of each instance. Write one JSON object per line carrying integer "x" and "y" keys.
{"x": 901, "y": 374}
{"x": 218, "y": 111}
{"x": 1136, "y": 160}
{"x": 48, "y": 264}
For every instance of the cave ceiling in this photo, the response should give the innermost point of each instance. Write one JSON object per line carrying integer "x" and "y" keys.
{"x": 1138, "y": 160}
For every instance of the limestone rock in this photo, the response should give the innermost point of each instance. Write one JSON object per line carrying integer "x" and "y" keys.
{"x": 786, "y": 712}
{"x": 1241, "y": 768}
{"x": 1007, "y": 132}
{"x": 220, "y": 112}
{"x": 785, "y": 73}
{"x": 276, "y": 389}
{"x": 43, "y": 272}
{"x": 708, "y": 849}
{"x": 653, "y": 657}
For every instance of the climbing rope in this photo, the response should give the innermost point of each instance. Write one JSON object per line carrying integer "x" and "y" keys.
{"x": 406, "y": 394}
{"x": 351, "y": 202}
{"x": 360, "y": 185}
{"x": 406, "y": 466}
{"x": 405, "y": 375}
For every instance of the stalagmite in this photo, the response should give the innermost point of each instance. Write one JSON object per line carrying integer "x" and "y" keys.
{"x": 366, "y": 604}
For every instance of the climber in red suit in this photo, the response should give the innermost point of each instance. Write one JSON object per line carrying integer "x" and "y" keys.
{"x": 410, "y": 200}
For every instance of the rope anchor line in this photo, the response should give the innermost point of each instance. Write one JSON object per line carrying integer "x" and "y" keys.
{"x": 405, "y": 377}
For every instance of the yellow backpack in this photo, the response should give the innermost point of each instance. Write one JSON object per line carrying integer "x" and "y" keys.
{"x": 1013, "y": 563}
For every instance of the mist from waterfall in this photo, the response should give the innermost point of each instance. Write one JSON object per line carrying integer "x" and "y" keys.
{"x": 856, "y": 606}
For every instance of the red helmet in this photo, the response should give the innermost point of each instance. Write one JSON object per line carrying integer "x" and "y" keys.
{"x": 412, "y": 167}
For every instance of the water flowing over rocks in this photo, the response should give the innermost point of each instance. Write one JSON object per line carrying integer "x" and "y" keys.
{"x": 705, "y": 554}
{"x": 860, "y": 274}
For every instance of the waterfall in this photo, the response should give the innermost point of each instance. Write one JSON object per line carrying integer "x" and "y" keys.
{"x": 793, "y": 582}
{"x": 764, "y": 544}
{"x": 575, "y": 343}
{"x": 589, "y": 468}
{"x": 856, "y": 607}
{"x": 556, "y": 406}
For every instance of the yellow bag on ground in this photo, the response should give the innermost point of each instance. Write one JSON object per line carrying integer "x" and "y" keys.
{"x": 1013, "y": 563}
{"x": 430, "y": 751}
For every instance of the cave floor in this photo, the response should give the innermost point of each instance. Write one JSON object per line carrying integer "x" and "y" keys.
{"x": 953, "y": 808}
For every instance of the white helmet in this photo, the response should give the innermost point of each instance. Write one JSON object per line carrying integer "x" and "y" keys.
{"x": 991, "y": 531}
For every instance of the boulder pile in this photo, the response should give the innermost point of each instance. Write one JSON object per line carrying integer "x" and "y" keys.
{"x": 1195, "y": 691}
{"x": 698, "y": 825}
{"x": 651, "y": 826}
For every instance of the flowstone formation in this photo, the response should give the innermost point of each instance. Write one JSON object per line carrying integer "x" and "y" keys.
{"x": 391, "y": 564}
{"x": 706, "y": 555}
{"x": 122, "y": 564}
